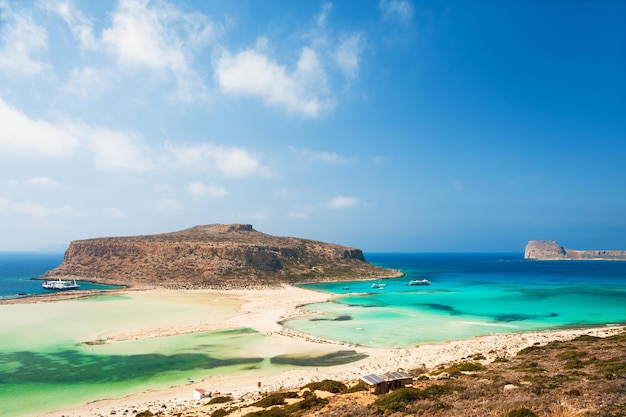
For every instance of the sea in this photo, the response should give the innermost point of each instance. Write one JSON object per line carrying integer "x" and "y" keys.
{"x": 469, "y": 295}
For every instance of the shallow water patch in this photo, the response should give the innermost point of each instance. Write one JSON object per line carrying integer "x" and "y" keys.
{"x": 339, "y": 357}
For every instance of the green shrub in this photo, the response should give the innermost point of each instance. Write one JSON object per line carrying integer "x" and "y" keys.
{"x": 272, "y": 412}
{"x": 271, "y": 400}
{"x": 397, "y": 400}
{"x": 309, "y": 403}
{"x": 457, "y": 368}
{"x": 358, "y": 387}
{"x": 327, "y": 385}
{"x": 220, "y": 400}
{"x": 220, "y": 412}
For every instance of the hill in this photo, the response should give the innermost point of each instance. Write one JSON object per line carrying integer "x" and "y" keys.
{"x": 216, "y": 255}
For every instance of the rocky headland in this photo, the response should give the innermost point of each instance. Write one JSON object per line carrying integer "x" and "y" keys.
{"x": 551, "y": 250}
{"x": 212, "y": 256}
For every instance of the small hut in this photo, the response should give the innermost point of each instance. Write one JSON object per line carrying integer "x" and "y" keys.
{"x": 382, "y": 384}
{"x": 200, "y": 393}
{"x": 398, "y": 379}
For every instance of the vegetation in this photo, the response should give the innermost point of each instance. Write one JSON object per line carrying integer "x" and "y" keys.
{"x": 327, "y": 385}
{"x": 584, "y": 377}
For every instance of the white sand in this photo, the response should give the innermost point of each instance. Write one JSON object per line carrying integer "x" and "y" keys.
{"x": 262, "y": 310}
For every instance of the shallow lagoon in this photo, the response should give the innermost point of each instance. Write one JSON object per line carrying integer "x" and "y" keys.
{"x": 469, "y": 295}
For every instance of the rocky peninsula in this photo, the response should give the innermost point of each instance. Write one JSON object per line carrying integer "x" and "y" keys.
{"x": 213, "y": 256}
{"x": 551, "y": 250}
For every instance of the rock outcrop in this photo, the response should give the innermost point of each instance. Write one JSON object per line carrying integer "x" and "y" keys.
{"x": 551, "y": 250}
{"x": 215, "y": 255}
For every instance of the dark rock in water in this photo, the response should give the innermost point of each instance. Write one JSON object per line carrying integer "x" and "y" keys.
{"x": 218, "y": 255}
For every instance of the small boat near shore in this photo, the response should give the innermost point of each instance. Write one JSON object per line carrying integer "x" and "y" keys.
{"x": 60, "y": 284}
{"x": 379, "y": 286}
{"x": 419, "y": 282}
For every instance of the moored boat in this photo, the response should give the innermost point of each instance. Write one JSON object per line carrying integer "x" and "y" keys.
{"x": 60, "y": 284}
{"x": 378, "y": 286}
{"x": 419, "y": 282}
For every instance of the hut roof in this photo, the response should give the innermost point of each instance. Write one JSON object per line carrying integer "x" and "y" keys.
{"x": 372, "y": 379}
{"x": 392, "y": 376}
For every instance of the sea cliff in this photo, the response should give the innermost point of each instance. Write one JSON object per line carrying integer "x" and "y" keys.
{"x": 551, "y": 250}
{"x": 217, "y": 255}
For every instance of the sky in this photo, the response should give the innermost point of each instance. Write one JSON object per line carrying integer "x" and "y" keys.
{"x": 386, "y": 125}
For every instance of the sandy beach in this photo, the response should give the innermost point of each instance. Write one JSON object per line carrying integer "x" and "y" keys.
{"x": 262, "y": 310}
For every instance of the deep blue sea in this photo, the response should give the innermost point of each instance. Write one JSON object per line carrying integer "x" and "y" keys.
{"x": 469, "y": 295}
{"x": 17, "y": 269}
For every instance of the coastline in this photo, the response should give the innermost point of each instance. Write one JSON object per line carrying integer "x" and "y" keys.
{"x": 263, "y": 310}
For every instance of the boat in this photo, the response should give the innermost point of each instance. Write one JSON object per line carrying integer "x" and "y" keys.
{"x": 60, "y": 284}
{"x": 419, "y": 282}
{"x": 379, "y": 286}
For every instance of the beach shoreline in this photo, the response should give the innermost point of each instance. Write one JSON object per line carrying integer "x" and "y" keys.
{"x": 264, "y": 310}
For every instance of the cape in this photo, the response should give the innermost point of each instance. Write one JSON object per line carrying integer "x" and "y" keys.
{"x": 217, "y": 255}
{"x": 551, "y": 250}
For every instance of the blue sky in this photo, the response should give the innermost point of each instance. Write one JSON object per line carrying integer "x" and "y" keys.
{"x": 389, "y": 125}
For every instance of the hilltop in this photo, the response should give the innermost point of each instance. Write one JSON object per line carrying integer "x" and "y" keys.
{"x": 213, "y": 256}
{"x": 551, "y": 250}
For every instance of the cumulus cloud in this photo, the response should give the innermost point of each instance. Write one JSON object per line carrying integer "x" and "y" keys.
{"x": 309, "y": 157}
{"x": 228, "y": 161}
{"x": 21, "y": 39}
{"x": 36, "y": 210}
{"x": 118, "y": 151}
{"x": 25, "y": 136}
{"x": 199, "y": 190}
{"x": 341, "y": 201}
{"x": 45, "y": 182}
{"x": 160, "y": 38}
{"x": 348, "y": 54}
{"x": 252, "y": 73}
{"x": 88, "y": 81}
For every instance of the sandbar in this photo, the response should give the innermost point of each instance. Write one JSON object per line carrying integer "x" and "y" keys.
{"x": 262, "y": 309}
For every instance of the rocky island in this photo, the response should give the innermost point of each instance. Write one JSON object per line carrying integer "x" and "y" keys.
{"x": 551, "y": 250}
{"x": 212, "y": 256}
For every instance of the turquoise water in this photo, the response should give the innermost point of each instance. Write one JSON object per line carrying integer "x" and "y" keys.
{"x": 469, "y": 295}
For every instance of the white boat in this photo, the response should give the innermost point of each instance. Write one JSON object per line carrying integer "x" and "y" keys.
{"x": 379, "y": 286}
{"x": 60, "y": 284}
{"x": 419, "y": 282}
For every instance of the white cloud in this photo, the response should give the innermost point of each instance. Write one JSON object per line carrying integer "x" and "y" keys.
{"x": 160, "y": 38}
{"x": 307, "y": 156}
{"x": 251, "y": 73}
{"x": 27, "y": 137}
{"x": 36, "y": 210}
{"x": 88, "y": 81}
{"x": 44, "y": 182}
{"x": 199, "y": 190}
{"x": 347, "y": 55}
{"x": 118, "y": 151}
{"x": 341, "y": 201}
{"x": 229, "y": 162}
{"x": 20, "y": 40}
{"x": 81, "y": 27}
{"x": 399, "y": 10}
